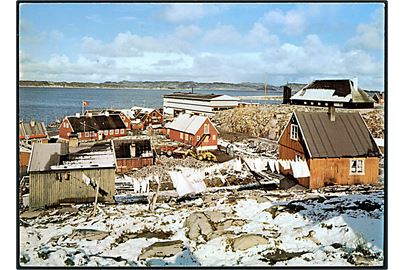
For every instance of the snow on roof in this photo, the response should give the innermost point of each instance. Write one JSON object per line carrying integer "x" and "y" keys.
{"x": 49, "y": 157}
{"x": 379, "y": 142}
{"x": 187, "y": 123}
{"x": 142, "y": 109}
{"x": 226, "y": 98}
{"x": 320, "y": 95}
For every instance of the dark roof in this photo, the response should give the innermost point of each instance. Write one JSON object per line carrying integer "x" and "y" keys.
{"x": 96, "y": 122}
{"x": 122, "y": 147}
{"x": 181, "y": 95}
{"x": 32, "y": 129}
{"x": 347, "y": 136}
{"x": 342, "y": 87}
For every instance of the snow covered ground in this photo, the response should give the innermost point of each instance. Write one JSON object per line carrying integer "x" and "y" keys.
{"x": 340, "y": 226}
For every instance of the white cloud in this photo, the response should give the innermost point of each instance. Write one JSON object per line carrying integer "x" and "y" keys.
{"x": 177, "y": 13}
{"x": 187, "y": 31}
{"x": 371, "y": 35}
{"x": 259, "y": 36}
{"x": 221, "y": 34}
{"x": 292, "y": 22}
{"x": 56, "y": 35}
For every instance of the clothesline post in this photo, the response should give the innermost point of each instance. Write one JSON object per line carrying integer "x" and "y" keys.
{"x": 154, "y": 198}
{"x": 95, "y": 200}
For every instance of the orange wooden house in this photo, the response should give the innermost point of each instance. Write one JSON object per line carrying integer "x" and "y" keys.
{"x": 337, "y": 147}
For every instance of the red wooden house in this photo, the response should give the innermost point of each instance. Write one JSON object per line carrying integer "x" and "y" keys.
{"x": 194, "y": 130}
{"x": 92, "y": 128}
{"x": 144, "y": 117}
{"x": 337, "y": 147}
{"x": 125, "y": 118}
{"x": 33, "y": 132}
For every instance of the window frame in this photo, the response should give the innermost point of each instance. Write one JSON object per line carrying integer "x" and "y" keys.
{"x": 359, "y": 164}
{"x": 294, "y": 132}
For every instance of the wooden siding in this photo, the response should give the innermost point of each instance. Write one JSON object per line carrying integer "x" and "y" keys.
{"x": 289, "y": 148}
{"x": 336, "y": 171}
{"x": 24, "y": 160}
{"x": 47, "y": 190}
{"x": 192, "y": 139}
{"x": 126, "y": 164}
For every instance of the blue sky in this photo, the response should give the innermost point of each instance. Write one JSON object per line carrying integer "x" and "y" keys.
{"x": 202, "y": 42}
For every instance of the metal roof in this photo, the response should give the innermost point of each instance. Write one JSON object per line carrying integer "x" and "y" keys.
{"x": 54, "y": 157}
{"x": 333, "y": 91}
{"x": 187, "y": 123}
{"x": 32, "y": 129}
{"x": 203, "y": 97}
{"x": 43, "y": 156}
{"x": 347, "y": 136}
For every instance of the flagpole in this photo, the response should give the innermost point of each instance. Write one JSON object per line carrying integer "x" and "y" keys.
{"x": 82, "y": 107}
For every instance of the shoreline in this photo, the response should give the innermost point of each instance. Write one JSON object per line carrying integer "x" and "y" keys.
{"x": 143, "y": 88}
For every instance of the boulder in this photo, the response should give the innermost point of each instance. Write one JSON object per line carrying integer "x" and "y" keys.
{"x": 247, "y": 241}
{"x": 198, "y": 224}
{"x": 162, "y": 249}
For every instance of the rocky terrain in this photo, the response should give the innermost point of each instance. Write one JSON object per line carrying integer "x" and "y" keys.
{"x": 335, "y": 226}
{"x": 269, "y": 121}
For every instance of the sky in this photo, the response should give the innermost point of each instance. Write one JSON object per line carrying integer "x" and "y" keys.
{"x": 233, "y": 42}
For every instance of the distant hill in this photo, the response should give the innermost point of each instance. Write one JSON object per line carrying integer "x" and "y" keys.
{"x": 144, "y": 85}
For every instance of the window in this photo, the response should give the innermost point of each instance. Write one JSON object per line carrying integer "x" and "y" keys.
{"x": 79, "y": 135}
{"x": 186, "y": 137}
{"x": 338, "y": 104}
{"x": 294, "y": 132}
{"x": 117, "y": 131}
{"x": 319, "y": 104}
{"x": 312, "y": 103}
{"x": 305, "y": 103}
{"x": 181, "y": 135}
{"x": 356, "y": 166}
{"x": 122, "y": 131}
{"x": 105, "y": 132}
{"x": 86, "y": 134}
{"x": 198, "y": 138}
{"x": 92, "y": 134}
{"x": 206, "y": 129}
{"x": 214, "y": 137}
{"x": 111, "y": 132}
{"x": 326, "y": 103}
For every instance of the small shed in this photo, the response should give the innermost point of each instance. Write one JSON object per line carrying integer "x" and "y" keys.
{"x": 337, "y": 147}
{"x": 195, "y": 130}
{"x": 62, "y": 175}
{"x": 133, "y": 153}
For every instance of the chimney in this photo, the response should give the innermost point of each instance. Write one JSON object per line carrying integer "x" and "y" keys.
{"x": 90, "y": 114}
{"x": 32, "y": 123}
{"x": 107, "y": 113}
{"x": 331, "y": 113}
{"x": 286, "y": 94}
{"x": 77, "y": 115}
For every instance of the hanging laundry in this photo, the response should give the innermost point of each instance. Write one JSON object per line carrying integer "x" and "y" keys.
{"x": 156, "y": 178}
{"x": 300, "y": 169}
{"x": 271, "y": 164}
{"x": 137, "y": 185}
{"x": 277, "y": 166}
{"x": 237, "y": 165}
{"x": 86, "y": 179}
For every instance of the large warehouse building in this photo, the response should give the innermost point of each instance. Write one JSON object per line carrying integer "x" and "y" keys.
{"x": 201, "y": 104}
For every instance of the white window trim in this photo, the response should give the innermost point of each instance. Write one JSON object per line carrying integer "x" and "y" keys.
{"x": 79, "y": 135}
{"x": 105, "y": 132}
{"x": 117, "y": 131}
{"x": 293, "y": 135}
{"x": 86, "y": 134}
{"x": 186, "y": 137}
{"x": 362, "y": 168}
{"x": 181, "y": 135}
{"x": 122, "y": 131}
{"x": 111, "y": 132}
{"x": 214, "y": 137}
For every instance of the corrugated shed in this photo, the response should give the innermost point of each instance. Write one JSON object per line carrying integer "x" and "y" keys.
{"x": 347, "y": 136}
{"x": 96, "y": 123}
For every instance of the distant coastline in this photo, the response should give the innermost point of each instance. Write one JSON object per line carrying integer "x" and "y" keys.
{"x": 148, "y": 85}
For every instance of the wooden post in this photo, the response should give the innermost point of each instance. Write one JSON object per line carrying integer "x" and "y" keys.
{"x": 95, "y": 200}
{"x": 154, "y": 198}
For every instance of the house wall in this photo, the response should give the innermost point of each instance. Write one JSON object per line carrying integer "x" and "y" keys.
{"x": 289, "y": 148}
{"x": 126, "y": 120}
{"x": 24, "y": 160}
{"x": 64, "y": 133}
{"x": 126, "y": 164}
{"x": 210, "y": 143}
{"x": 47, "y": 190}
{"x": 337, "y": 171}
{"x": 324, "y": 171}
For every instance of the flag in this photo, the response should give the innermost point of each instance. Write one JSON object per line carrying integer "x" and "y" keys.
{"x": 86, "y": 103}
